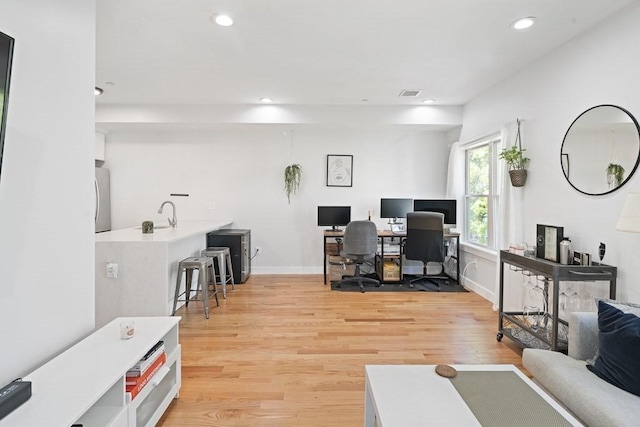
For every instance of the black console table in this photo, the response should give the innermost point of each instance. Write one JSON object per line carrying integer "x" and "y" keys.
{"x": 514, "y": 324}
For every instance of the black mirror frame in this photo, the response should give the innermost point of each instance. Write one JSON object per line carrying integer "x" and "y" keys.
{"x": 564, "y": 160}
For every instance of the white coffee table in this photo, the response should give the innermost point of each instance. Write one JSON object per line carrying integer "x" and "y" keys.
{"x": 414, "y": 395}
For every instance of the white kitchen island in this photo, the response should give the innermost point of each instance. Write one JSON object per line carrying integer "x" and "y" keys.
{"x": 147, "y": 266}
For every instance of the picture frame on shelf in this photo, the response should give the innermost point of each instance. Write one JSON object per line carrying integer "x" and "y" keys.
{"x": 548, "y": 239}
{"x": 339, "y": 170}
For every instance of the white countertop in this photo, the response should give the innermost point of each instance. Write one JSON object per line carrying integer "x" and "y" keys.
{"x": 183, "y": 230}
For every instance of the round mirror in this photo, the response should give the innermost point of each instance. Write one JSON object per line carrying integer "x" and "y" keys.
{"x": 601, "y": 150}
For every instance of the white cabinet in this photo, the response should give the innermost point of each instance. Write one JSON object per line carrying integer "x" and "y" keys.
{"x": 86, "y": 383}
{"x": 100, "y": 147}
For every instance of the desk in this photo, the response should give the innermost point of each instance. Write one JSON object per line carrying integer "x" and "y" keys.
{"x": 414, "y": 395}
{"x": 384, "y": 235}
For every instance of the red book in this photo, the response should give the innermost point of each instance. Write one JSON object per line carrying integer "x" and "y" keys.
{"x": 135, "y": 384}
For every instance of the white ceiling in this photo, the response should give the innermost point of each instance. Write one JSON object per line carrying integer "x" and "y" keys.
{"x": 324, "y": 52}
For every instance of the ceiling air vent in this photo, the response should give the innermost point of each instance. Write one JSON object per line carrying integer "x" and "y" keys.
{"x": 410, "y": 92}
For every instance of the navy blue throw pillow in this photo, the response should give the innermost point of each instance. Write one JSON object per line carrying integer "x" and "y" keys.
{"x": 618, "y": 360}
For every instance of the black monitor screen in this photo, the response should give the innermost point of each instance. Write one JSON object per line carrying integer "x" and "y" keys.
{"x": 395, "y": 208}
{"x": 334, "y": 216}
{"x": 446, "y": 207}
{"x": 6, "y": 55}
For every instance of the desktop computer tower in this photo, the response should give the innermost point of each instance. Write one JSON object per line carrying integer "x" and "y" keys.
{"x": 239, "y": 243}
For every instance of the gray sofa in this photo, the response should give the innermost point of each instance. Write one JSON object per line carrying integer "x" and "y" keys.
{"x": 594, "y": 401}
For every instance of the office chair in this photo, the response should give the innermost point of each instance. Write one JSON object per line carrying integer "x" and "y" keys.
{"x": 360, "y": 244}
{"x": 425, "y": 242}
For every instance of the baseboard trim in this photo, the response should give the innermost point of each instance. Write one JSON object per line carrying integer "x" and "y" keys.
{"x": 476, "y": 288}
{"x": 286, "y": 270}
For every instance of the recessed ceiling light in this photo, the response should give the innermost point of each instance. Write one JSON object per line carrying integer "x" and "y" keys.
{"x": 97, "y": 91}
{"x": 223, "y": 20}
{"x": 266, "y": 100}
{"x": 364, "y": 100}
{"x": 428, "y": 101}
{"x": 523, "y": 23}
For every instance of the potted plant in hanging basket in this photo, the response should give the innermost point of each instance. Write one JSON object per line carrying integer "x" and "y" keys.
{"x": 517, "y": 164}
{"x": 615, "y": 175}
{"x": 292, "y": 175}
{"x": 516, "y": 161}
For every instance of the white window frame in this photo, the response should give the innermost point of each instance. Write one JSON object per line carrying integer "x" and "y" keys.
{"x": 493, "y": 198}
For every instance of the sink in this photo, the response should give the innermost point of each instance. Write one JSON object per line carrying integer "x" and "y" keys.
{"x": 156, "y": 227}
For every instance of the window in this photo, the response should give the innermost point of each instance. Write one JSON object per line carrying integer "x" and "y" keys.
{"x": 481, "y": 195}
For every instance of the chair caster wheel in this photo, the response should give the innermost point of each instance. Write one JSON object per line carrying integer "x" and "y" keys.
{"x": 499, "y": 336}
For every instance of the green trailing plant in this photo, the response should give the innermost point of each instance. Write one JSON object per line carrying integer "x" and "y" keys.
{"x": 292, "y": 176}
{"x": 514, "y": 157}
{"x": 615, "y": 175}
{"x": 516, "y": 160}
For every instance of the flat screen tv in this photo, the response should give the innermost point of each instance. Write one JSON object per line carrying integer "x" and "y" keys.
{"x": 334, "y": 216}
{"x": 395, "y": 208}
{"x": 443, "y": 206}
{"x": 6, "y": 56}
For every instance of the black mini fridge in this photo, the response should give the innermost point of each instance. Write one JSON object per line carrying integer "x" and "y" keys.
{"x": 239, "y": 243}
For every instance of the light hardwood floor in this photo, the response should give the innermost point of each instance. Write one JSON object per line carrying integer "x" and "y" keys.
{"x": 285, "y": 350}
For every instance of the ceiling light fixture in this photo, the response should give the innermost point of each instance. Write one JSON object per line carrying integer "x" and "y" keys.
{"x": 523, "y": 23}
{"x": 97, "y": 91}
{"x": 223, "y": 20}
{"x": 428, "y": 101}
{"x": 266, "y": 100}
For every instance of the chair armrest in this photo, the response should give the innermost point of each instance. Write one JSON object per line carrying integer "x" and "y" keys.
{"x": 583, "y": 335}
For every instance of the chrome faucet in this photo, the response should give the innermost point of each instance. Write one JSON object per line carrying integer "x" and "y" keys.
{"x": 172, "y": 222}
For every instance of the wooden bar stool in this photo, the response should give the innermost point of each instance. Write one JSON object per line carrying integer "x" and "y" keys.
{"x": 225, "y": 272}
{"x": 204, "y": 265}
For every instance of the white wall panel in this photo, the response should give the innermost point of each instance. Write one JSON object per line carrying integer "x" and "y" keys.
{"x": 238, "y": 173}
{"x": 598, "y": 68}
{"x": 46, "y": 188}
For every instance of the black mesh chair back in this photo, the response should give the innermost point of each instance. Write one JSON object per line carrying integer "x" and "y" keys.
{"x": 425, "y": 242}
{"x": 425, "y": 237}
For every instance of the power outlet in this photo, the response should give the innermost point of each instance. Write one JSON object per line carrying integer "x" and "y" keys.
{"x": 112, "y": 270}
{"x": 258, "y": 249}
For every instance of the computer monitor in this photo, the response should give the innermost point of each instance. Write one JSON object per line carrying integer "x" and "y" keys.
{"x": 395, "y": 208}
{"x": 334, "y": 216}
{"x": 446, "y": 207}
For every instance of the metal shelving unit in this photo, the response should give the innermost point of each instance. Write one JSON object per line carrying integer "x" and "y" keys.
{"x": 553, "y": 333}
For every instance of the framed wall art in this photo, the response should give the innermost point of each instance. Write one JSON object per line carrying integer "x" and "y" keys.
{"x": 548, "y": 242}
{"x": 339, "y": 170}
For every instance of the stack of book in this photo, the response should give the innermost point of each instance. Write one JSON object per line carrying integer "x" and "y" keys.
{"x": 139, "y": 375}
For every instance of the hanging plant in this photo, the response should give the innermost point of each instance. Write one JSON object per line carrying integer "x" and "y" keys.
{"x": 516, "y": 161}
{"x": 615, "y": 175}
{"x": 615, "y": 171}
{"x": 292, "y": 175}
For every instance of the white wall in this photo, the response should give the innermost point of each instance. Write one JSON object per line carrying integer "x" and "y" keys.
{"x": 237, "y": 173}
{"x": 601, "y": 67}
{"x": 46, "y": 217}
